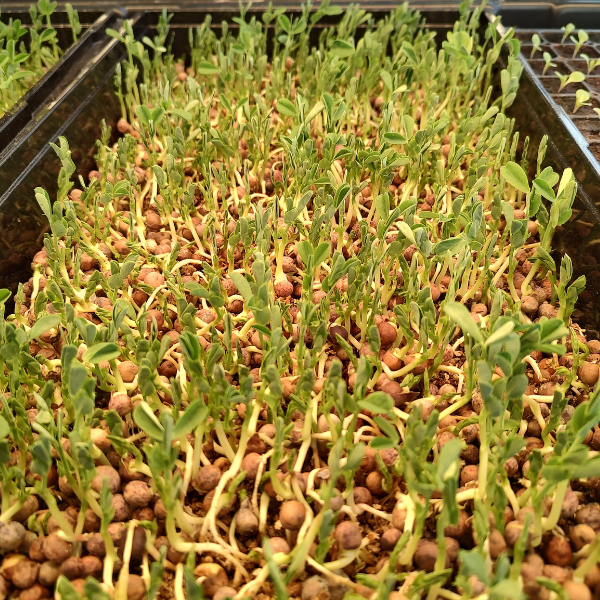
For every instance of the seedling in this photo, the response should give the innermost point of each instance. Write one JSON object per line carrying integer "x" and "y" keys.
{"x": 308, "y": 291}
{"x": 26, "y": 54}
{"x": 582, "y": 38}
{"x": 73, "y": 17}
{"x": 591, "y": 63}
{"x": 581, "y": 99}
{"x": 536, "y": 40}
{"x": 565, "y": 80}
{"x": 548, "y": 62}
{"x": 567, "y": 30}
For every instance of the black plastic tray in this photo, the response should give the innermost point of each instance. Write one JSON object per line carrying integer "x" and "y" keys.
{"x": 94, "y": 99}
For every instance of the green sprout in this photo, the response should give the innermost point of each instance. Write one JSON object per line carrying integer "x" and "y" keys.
{"x": 565, "y": 80}
{"x": 581, "y": 99}
{"x": 548, "y": 62}
{"x": 310, "y": 286}
{"x": 582, "y": 38}
{"x": 536, "y": 40}
{"x": 27, "y": 53}
{"x": 567, "y": 30}
{"x": 591, "y": 63}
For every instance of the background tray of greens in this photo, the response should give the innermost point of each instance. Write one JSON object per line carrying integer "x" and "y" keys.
{"x": 58, "y": 101}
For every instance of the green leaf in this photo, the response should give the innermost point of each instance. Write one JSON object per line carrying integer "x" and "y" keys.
{"x": 41, "y": 195}
{"x": 549, "y": 176}
{"x": 388, "y": 429}
{"x": 355, "y": 457}
{"x": 298, "y": 27}
{"x": 66, "y": 589}
{"x": 206, "y": 68}
{"x": 544, "y": 189}
{"x": 314, "y": 111}
{"x": 285, "y": 107}
{"x": 195, "y": 413}
{"x": 322, "y": 253}
{"x": 4, "y": 427}
{"x": 410, "y": 52}
{"x": 382, "y": 443}
{"x": 515, "y": 175}
{"x": 576, "y": 77}
{"x": 544, "y": 257}
{"x": 387, "y": 80}
{"x": 500, "y": 333}
{"x": 115, "y": 34}
{"x": 382, "y": 205}
{"x": 197, "y": 290}
{"x": 377, "y": 402}
{"x": 241, "y": 283}
{"x": 473, "y": 563}
{"x": 93, "y": 589}
{"x": 43, "y": 325}
{"x": 100, "y": 352}
{"x": 447, "y": 457}
{"x": 462, "y": 317}
{"x": 147, "y": 423}
{"x": 4, "y": 295}
{"x": 305, "y": 250}
{"x": 553, "y": 586}
{"x": 451, "y": 244}
{"x": 406, "y": 231}
{"x": 184, "y": 114}
{"x": 342, "y": 48}
{"x": 284, "y": 23}
{"x": 394, "y": 138}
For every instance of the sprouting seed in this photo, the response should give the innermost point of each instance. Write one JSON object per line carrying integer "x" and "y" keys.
{"x": 581, "y": 99}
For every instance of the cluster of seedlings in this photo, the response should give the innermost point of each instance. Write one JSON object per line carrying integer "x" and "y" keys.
{"x": 578, "y": 55}
{"x": 27, "y": 53}
{"x": 300, "y": 334}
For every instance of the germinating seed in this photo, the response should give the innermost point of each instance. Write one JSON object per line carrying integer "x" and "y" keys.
{"x": 301, "y": 335}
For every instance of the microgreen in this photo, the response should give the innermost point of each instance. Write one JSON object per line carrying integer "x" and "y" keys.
{"x": 27, "y": 53}
{"x": 310, "y": 287}
{"x": 567, "y": 30}
{"x": 536, "y": 40}
{"x": 582, "y": 38}
{"x": 591, "y": 63}
{"x": 565, "y": 80}
{"x": 581, "y": 99}
{"x": 548, "y": 62}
